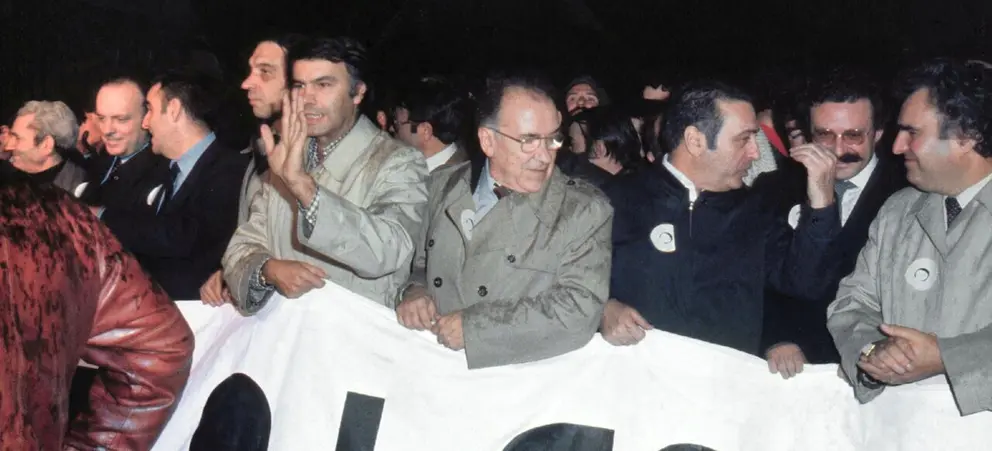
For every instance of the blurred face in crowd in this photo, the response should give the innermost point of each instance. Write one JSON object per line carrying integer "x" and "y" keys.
{"x": 933, "y": 164}
{"x": 4, "y": 134}
{"x": 120, "y": 110}
{"x": 29, "y": 152}
{"x": 90, "y": 129}
{"x": 795, "y": 135}
{"x": 324, "y": 88}
{"x": 266, "y": 81}
{"x": 405, "y": 130}
{"x": 581, "y": 96}
{"x": 522, "y": 145}
{"x": 846, "y": 128}
{"x": 725, "y": 162}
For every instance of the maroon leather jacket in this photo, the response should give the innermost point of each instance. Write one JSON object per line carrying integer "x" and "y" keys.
{"x": 69, "y": 291}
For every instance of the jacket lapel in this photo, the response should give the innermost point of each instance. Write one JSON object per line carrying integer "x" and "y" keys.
{"x": 930, "y": 214}
{"x": 459, "y": 199}
{"x": 193, "y": 177}
{"x": 525, "y": 212}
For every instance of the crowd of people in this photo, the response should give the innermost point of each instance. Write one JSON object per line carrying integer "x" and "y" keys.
{"x": 511, "y": 219}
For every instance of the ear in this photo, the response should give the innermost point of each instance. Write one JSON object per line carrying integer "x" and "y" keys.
{"x": 173, "y": 110}
{"x": 694, "y": 140}
{"x": 48, "y": 144}
{"x": 487, "y": 141}
{"x": 362, "y": 88}
{"x": 425, "y": 130}
{"x": 963, "y": 145}
{"x": 878, "y": 135}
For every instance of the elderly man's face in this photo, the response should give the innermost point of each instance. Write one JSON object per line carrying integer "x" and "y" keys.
{"x": 27, "y": 152}
{"x": 532, "y": 118}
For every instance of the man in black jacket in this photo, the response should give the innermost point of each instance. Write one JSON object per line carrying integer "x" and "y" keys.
{"x": 124, "y": 175}
{"x": 181, "y": 239}
{"x": 846, "y": 117}
{"x": 693, "y": 248}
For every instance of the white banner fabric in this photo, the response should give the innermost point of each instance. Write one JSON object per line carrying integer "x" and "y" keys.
{"x": 308, "y": 353}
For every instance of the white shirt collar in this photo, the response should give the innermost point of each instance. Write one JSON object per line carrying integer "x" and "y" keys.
{"x": 970, "y": 193}
{"x": 436, "y": 160}
{"x": 682, "y": 178}
{"x": 861, "y": 179}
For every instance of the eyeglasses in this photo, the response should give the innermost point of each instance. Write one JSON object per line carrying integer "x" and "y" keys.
{"x": 848, "y": 137}
{"x": 530, "y": 143}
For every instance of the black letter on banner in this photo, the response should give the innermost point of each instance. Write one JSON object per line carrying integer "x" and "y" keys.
{"x": 686, "y": 447}
{"x": 563, "y": 437}
{"x": 360, "y": 422}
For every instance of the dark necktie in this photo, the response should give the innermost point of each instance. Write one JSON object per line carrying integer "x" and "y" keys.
{"x": 953, "y": 210}
{"x": 501, "y": 191}
{"x": 840, "y": 188}
{"x": 167, "y": 190}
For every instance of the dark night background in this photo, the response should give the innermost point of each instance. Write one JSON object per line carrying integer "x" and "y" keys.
{"x": 61, "y": 49}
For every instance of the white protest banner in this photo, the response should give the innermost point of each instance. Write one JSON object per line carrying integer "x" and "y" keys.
{"x": 312, "y": 354}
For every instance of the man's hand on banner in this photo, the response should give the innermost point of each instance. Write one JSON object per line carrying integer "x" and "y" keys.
{"x": 622, "y": 325}
{"x": 785, "y": 359}
{"x": 293, "y": 279}
{"x": 214, "y": 292}
{"x": 907, "y": 356}
{"x": 417, "y": 311}
{"x": 449, "y": 331}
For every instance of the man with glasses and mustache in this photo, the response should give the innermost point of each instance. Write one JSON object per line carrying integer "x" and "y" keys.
{"x": 514, "y": 264}
{"x": 846, "y": 118}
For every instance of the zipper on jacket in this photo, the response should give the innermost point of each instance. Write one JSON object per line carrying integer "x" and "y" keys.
{"x": 692, "y": 204}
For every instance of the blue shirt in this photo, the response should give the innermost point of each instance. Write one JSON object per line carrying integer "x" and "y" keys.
{"x": 189, "y": 159}
{"x": 484, "y": 196}
{"x": 187, "y": 162}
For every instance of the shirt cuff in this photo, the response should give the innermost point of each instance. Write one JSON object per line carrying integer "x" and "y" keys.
{"x": 255, "y": 281}
{"x": 309, "y": 214}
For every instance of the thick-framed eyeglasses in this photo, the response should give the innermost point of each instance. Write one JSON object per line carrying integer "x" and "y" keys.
{"x": 530, "y": 143}
{"x": 848, "y": 137}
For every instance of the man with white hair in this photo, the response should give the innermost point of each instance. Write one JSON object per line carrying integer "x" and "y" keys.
{"x": 41, "y": 130}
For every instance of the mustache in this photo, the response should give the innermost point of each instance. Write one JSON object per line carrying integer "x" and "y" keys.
{"x": 850, "y": 158}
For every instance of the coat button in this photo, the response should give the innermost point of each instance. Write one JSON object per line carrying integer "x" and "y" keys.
{"x": 438, "y": 282}
{"x": 511, "y": 258}
{"x": 430, "y": 242}
{"x": 483, "y": 291}
{"x": 570, "y": 183}
{"x": 116, "y": 177}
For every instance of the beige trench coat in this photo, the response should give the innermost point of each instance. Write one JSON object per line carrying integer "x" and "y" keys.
{"x": 532, "y": 281}
{"x": 372, "y": 198}
{"x": 913, "y": 272}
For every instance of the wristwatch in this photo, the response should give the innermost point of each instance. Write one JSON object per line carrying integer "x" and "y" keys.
{"x": 261, "y": 275}
{"x": 864, "y": 378}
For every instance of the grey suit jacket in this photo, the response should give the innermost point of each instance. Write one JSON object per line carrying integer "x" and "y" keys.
{"x": 914, "y": 272}
{"x": 532, "y": 280}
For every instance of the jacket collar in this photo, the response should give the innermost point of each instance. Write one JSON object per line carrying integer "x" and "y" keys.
{"x": 355, "y": 143}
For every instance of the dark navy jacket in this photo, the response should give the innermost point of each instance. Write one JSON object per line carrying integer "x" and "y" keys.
{"x": 727, "y": 245}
